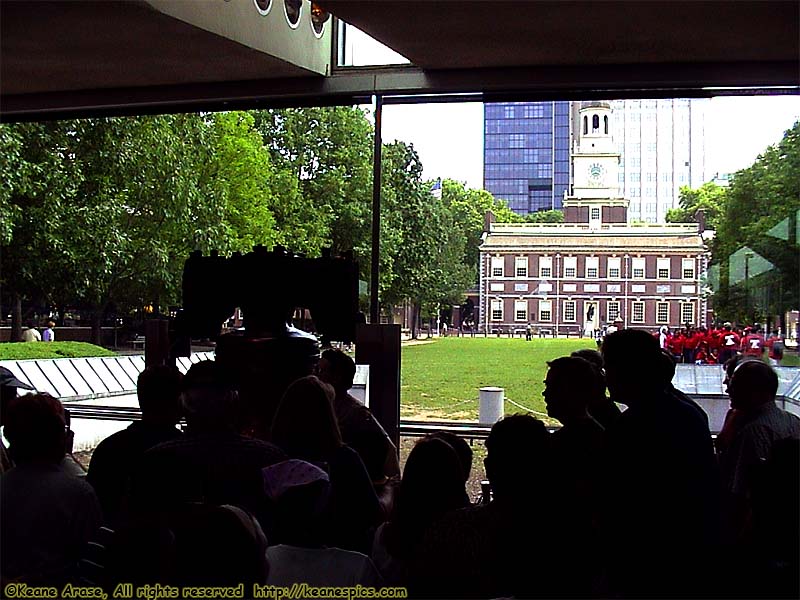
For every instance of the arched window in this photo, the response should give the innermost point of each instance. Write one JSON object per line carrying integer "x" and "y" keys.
{"x": 585, "y": 125}
{"x": 595, "y": 123}
{"x": 605, "y": 124}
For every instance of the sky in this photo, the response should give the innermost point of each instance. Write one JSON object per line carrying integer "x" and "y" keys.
{"x": 449, "y": 137}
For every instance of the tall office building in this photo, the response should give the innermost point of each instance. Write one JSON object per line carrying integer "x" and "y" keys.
{"x": 662, "y": 148}
{"x": 526, "y": 156}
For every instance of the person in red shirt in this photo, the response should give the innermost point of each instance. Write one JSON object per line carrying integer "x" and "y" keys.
{"x": 753, "y": 343}
{"x": 730, "y": 344}
{"x": 775, "y": 345}
{"x": 714, "y": 339}
{"x": 677, "y": 346}
{"x": 690, "y": 346}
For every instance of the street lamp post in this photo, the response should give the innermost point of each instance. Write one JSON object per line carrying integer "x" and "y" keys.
{"x": 747, "y": 257}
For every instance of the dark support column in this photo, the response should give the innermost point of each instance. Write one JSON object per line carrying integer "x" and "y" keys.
{"x": 156, "y": 344}
{"x": 374, "y": 307}
{"x": 379, "y": 347}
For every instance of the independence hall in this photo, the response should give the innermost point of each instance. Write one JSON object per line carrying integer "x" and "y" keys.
{"x": 595, "y": 269}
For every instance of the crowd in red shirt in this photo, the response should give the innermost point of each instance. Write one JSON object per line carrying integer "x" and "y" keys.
{"x": 715, "y": 345}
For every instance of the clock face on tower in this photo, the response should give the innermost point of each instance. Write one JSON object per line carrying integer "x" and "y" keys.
{"x": 596, "y": 172}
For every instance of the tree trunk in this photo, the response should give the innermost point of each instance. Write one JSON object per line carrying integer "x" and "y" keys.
{"x": 16, "y": 317}
{"x": 415, "y": 320}
{"x": 97, "y": 324}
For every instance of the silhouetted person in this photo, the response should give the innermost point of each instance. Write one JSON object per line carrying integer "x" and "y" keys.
{"x": 491, "y": 550}
{"x": 46, "y": 515}
{"x": 661, "y": 477}
{"x": 462, "y": 449}
{"x": 9, "y": 384}
{"x": 758, "y": 424}
{"x": 668, "y": 373}
{"x": 193, "y": 545}
{"x": 305, "y": 428}
{"x": 211, "y": 463}
{"x": 432, "y": 485}
{"x": 577, "y": 458}
{"x": 298, "y": 554}
{"x": 601, "y": 407}
{"x": 774, "y": 546}
{"x": 355, "y": 420}
{"x": 113, "y": 461}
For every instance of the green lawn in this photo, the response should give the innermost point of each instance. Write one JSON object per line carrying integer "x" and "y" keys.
{"x": 32, "y": 350}
{"x": 440, "y": 379}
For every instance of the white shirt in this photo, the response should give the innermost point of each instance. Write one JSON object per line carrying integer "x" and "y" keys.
{"x": 31, "y": 335}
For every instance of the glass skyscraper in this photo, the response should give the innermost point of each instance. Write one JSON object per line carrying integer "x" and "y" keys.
{"x": 526, "y": 153}
{"x": 662, "y": 147}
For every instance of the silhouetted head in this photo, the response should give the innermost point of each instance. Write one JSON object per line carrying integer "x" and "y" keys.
{"x": 337, "y": 369}
{"x": 730, "y": 367}
{"x": 305, "y": 425}
{"x": 463, "y": 451}
{"x": 300, "y": 494}
{"x": 754, "y": 383}
{"x": 210, "y": 398}
{"x": 9, "y": 384}
{"x": 35, "y": 428}
{"x": 633, "y": 364}
{"x": 515, "y": 445}
{"x": 569, "y": 384}
{"x": 432, "y": 485}
{"x": 159, "y": 391}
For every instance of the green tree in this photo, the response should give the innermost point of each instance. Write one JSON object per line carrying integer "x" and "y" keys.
{"x": 709, "y": 197}
{"x": 36, "y": 197}
{"x": 760, "y": 219}
{"x": 545, "y": 216}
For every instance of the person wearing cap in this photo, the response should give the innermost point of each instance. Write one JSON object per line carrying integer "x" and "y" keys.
{"x": 158, "y": 389}
{"x": 212, "y": 462}
{"x": 300, "y": 493}
{"x": 9, "y": 384}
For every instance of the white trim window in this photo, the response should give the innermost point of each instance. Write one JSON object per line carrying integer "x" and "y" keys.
{"x": 498, "y": 266}
{"x": 687, "y": 268}
{"x": 612, "y": 310}
{"x": 662, "y": 268}
{"x": 614, "y": 267}
{"x": 545, "y": 267}
{"x": 520, "y": 310}
{"x": 592, "y": 267}
{"x": 687, "y": 313}
{"x": 569, "y": 311}
{"x": 521, "y": 266}
{"x": 545, "y": 310}
{"x": 637, "y": 312}
{"x": 637, "y": 268}
{"x": 570, "y": 266}
{"x": 662, "y": 312}
{"x": 497, "y": 309}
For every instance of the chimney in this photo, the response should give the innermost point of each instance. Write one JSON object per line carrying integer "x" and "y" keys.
{"x": 488, "y": 219}
{"x": 700, "y": 217}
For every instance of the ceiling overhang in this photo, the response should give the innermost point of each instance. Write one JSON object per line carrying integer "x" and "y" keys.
{"x": 72, "y": 58}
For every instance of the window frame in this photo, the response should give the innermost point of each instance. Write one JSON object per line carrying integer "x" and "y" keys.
{"x": 545, "y": 262}
{"x": 634, "y": 305}
{"x": 543, "y": 310}
{"x": 612, "y": 316}
{"x": 613, "y": 263}
{"x": 684, "y": 262}
{"x": 517, "y": 311}
{"x": 684, "y": 306}
{"x": 634, "y": 268}
{"x": 574, "y": 309}
{"x": 659, "y": 267}
{"x": 492, "y": 304}
{"x": 659, "y": 306}
{"x": 492, "y": 266}
{"x": 571, "y": 262}
{"x": 521, "y": 271}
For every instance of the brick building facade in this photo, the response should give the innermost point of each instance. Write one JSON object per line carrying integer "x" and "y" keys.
{"x": 594, "y": 269}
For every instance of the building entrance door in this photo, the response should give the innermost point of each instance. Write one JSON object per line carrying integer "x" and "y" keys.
{"x": 591, "y": 318}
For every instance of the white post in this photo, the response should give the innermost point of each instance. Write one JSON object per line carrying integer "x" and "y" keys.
{"x": 490, "y": 405}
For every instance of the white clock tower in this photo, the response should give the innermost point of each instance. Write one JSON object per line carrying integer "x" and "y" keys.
{"x": 595, "y": 166}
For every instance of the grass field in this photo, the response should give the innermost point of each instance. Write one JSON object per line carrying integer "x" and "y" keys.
{"x": 33, "y": 350}
{"x": 440, "y": 379}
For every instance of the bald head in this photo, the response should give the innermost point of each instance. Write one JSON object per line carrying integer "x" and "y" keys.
{"x": 753, "y": 384}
